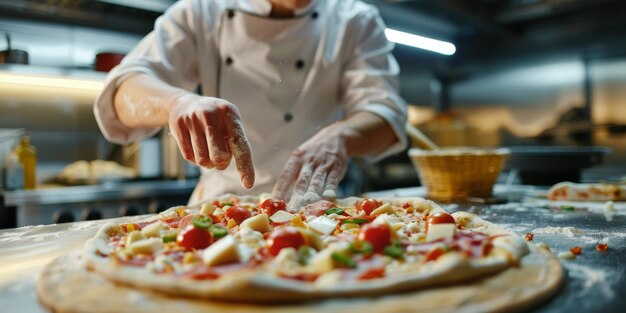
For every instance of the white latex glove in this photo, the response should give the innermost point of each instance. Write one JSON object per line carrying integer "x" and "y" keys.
{"x": 209, "y": 133}
{"x": 314, "y": 169}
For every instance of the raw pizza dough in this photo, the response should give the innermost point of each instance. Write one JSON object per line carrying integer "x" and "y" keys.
{"x": 258, "y": 286}
{"x": 65, "y": 286}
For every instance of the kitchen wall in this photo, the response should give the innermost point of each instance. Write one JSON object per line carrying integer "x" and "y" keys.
{"x": 59, "y": 120}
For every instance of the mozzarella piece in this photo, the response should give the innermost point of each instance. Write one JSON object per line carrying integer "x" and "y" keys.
{"x": 258, "y": 222}
{"x": 385, "y": 208}
{"x": 154, "y": 229}
{"x": 146, "y": 246}
{"x": 282, "y": 216}
{"x": 223, "y": 251}
{"x": 322, "y": 225}
{"x": 438, "y": 231}
{"x": 207, "y": 209}
{"x": 322, "y": 262}
{"x": 312, "y": 239}
{"x": 134, "y": 236}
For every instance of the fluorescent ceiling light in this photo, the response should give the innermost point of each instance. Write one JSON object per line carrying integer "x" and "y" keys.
{"x": 421, "y": 42}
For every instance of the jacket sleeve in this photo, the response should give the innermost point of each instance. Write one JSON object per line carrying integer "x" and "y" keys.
{"x": 369, "y": 81}
{"x": 169, "y": 53}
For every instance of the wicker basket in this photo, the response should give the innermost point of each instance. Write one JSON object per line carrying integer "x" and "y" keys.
{"x": 455, "y": 174}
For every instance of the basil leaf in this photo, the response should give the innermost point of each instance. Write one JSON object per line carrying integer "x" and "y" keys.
{"x": 337, "y": 211}
{"x": 395, "y": 250}
{"x": 229, "y": 203}
{"x": 218, "y": 231}
{"x": 202, "y": 222}
{"x": 343, "y": 259}
{"x": 357, "y": 220}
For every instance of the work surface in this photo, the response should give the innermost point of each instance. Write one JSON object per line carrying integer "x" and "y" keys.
{"x": 596, "y": 282}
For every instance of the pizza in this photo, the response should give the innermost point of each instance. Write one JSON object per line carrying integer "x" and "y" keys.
{"x": 253, "y": 249}
{"x": 587, "y": 192}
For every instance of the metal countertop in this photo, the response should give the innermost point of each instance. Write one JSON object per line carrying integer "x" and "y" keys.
{"x": 596, "y": 282}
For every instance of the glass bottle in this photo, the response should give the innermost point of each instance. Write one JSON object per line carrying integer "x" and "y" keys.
{"x": 28, "y": 157}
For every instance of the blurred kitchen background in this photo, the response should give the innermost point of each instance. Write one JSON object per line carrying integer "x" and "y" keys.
{"x": 545, "y": 77}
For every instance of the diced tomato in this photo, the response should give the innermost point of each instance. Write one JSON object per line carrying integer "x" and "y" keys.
{"x": 434, "y": 254}
{"x": 194, "y": 238}
{"x": 379, "y": 235}
{"x": 237, "y": 213}
{"x": 317, "y": 208}
{"x": 308, "y": 277}
{"x": 271, "y": 206}
{"x": 172, "y": 221}
{"x": 368, "y": 205}
{"x": 439, "y": 218}
{"x": 372, "y": 273}
{"x": 286, "y": 237}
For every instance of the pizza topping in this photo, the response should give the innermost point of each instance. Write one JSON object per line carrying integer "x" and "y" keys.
{"x": 272, "y": 206}
{"x": 356, "y": 220}
{"x": 202, "y": 222}
{"x": 440, "y": 231}
{"x": 207, "y": 209}
{"x": 361, "y": 247}
{"x": 304, "y": 254}
{"x": 154, "y": 229}
{"x": 194, "y": 238}
{"x": 322, "y": 225}
{"x": 127, "y": 228}
{"x": 378, "y": 235}
{"x": 385, "y": 208}
{"x": 237, "y": 213}
{"x": 134, "y": 236}
{"x": 297, "y": 222}
{"x": 434, "y": 253}
{"x": 281, "y": 238}
{"x": 260, "y": 223}
{"x": 439, "y": 218}
{"x": 218, "y": 231}
{"x": 336, "y": 211}
{"x": 146, "y": 246}
{"x": 282, "y": 217}
{"x": 602, "y": 247}
{"x": 395, "y": 250}
{"x": 576, "y": 250}
{"x": 317, "y": 208}
{"x": 223, "y": 251}
{"x": 169, "y": 237}
{"x": 529, "y": 237}
{"x": 368, "y": 205}
{"x": 343, "y": 260}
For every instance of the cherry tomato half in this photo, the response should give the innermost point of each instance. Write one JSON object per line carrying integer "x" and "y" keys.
{"x": 379, "y": 235}
{"x": 287, "y": 237}
{"x": 237, "y": 213}
{"x": 439, "y": 218}
{"x": 194, "y": 238}
{"x": 369, "y": 205}
{"x": 271, "y": 206}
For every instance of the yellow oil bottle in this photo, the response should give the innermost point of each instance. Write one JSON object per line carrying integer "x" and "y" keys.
{"x": 28, "y": 157}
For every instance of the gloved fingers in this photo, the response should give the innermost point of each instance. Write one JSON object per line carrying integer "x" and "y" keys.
{"x": 198, "y": 139}
{"x": 297, "y": 202}
{"x": 316, "y": 183}
{"x": 304, "y": 177}
{"x": 332, "y": 181}
{"x": 287, "y": 176}
{"x": 218, "y": 149}
{"x": 183, "y": 139}
{"x": 238, "y": 145}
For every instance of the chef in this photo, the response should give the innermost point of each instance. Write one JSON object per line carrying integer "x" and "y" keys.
{"x": 288, "y": 91}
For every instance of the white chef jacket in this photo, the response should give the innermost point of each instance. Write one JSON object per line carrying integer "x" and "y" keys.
{"x": 289, "y": 77}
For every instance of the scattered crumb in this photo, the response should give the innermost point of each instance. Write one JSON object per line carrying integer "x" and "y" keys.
{"x": 576, "y": 250}
{"x": 567, "y": 255}
{"x": 567, "y": 231}
{"x": 529, "y": 237}
{"x": 602, "y": 247}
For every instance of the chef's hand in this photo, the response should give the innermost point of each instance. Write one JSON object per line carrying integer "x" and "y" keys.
{"x": 209, "y": 133}
{"x": 314, "y": 169}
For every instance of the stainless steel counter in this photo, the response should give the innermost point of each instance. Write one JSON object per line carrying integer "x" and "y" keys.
{"x": 101, "y": 192}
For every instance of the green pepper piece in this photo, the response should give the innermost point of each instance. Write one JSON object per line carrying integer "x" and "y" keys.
{"x": 337, "y": 211}
{"x": 361, "y": 247}
{"x": 202, "y": 222}
{"x": 218, "y": 231}
{"x": 171, "y": 237}
{"x": 567, "y": 208}
{"x": 343, "y": 259}
{"x": 357, "y": 221}
{"x": 395, "y": 250}
{"x": 304, "y": 254}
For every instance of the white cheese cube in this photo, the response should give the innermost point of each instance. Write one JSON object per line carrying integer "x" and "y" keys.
{"x": 146, "y": 246}
{"x": 258, "y": 222}
{"x": 282, "y": 216}
{"x": 322, "y": 225}
{"x": 438, "y": 231}
{"x": 223, "y": 251}
{"x": 134, "y": 236}
{"x": 322, "y": 262}
{"x": 154, "y": 229}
